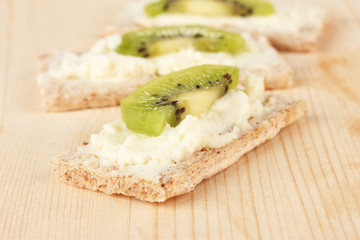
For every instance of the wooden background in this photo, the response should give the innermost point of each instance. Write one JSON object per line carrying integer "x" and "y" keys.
{"x": 303, "y": 184}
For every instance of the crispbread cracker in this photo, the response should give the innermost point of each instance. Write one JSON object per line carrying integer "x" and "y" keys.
{"x": 306, "y": 23}
{"x": 65, "y": 95}
{"x": 181, "y": 177}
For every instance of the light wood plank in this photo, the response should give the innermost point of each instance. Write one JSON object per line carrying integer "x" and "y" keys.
{"x": 303, "y": 184}
{"x": 6, "y": 12}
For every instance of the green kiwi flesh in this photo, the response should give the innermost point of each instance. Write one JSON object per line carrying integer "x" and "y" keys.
{"x": 169, "y": 98}
{"x": 155, "y": 41}
{"x": 211, "y": 8}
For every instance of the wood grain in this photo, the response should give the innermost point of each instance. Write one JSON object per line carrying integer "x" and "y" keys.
{"x": 303, "y": 184}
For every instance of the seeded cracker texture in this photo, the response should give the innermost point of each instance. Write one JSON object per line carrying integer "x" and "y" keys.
{"x": 182, "y": 177}
{"x": 74, "y": 94}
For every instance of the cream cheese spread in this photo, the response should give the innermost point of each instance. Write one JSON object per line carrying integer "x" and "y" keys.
{"x": 109, "y": 67}
{"x": 146, "y": 157}
{"x": 102, "y": 64}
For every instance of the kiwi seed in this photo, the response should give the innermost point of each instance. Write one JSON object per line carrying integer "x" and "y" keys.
{"x": 179, "y": 111}
{"x": 227, "y": 76}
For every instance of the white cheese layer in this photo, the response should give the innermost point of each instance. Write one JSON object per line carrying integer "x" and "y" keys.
{"x": 288, "y": 19}
{"x": 146, "y": 157}
{"x": 102, "y": 64}
{"x": 109, "y": 67}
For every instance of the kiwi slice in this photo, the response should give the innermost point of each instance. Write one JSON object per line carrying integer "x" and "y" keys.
{"x": 156, "y": 41}
{"x": 169, "y": 98}
{"x": 211, "y": 8}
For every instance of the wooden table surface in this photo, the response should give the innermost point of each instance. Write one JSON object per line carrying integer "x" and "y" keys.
{"x": 303, "y": 184}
